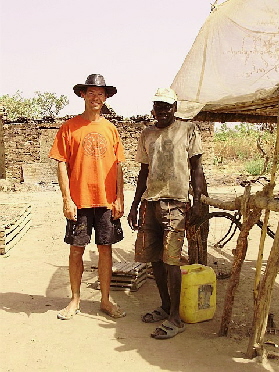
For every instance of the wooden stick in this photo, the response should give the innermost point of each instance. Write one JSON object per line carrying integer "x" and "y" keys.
{"x": 267, "y": 214}
{"x": 259, "y": 200}
{"x": 11, "y": 233}
{"x": 255, "y": 345}
{"x": 13, "y": 242}
{"x": 249, "y": 220}
{"x": 264, "y": 288}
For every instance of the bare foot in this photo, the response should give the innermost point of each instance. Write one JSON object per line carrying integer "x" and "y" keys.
{"x": 155, "y": 315}
{"x": 69, "y": 311}
{"x": 112, "y": 310}
{"x": 167, "y": 330}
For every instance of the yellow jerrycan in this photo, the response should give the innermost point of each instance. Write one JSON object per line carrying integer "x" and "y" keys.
{"x": 198, "y": 293}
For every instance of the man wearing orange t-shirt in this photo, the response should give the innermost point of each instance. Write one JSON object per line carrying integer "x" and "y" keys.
{"x": 89, "y": 152}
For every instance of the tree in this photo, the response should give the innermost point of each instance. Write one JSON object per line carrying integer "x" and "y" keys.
{"x": 49, "y": 105}
{"x": 18, "y": 108}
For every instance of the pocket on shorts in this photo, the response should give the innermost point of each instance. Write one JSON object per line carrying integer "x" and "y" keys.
{"x": 76, "y": 233}
{"x": 117, "y": 231}
{"x": 174, "y": 215}
{"x": 71, "y": 227}
{"x": 142, "y": 214}
{"x": 70, "y": 231}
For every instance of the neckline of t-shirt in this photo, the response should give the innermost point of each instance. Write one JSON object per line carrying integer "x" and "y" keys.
{"x": 168, "y": 127}
{"x": 102, "y": 118}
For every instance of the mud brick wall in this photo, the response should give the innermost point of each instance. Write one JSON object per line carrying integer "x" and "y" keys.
{"x": 22, "y": 146}
{"x": 129, "y": 133}
{"x": 207, "y": 130}
{"x": 28, "y": 143}
{"x": 2, "y": 147}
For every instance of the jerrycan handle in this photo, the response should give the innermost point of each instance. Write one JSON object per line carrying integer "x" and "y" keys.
{"x": 191, "y": 268}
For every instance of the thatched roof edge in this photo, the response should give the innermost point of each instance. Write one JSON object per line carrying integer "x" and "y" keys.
{"x": 223, "y": 117}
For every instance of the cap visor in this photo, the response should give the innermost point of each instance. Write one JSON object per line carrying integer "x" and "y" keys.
{"x": 164, "y": 99}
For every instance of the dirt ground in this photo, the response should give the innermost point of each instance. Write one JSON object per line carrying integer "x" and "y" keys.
{"x": 34, "y": 286}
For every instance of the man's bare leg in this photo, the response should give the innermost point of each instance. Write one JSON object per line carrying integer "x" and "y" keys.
{"x": 105, "y": 273}
{"x": 161, "y": 279}
{"x": 75, "y": 273}
{"x": 174, "y": 285}
{"x": 174, "y": 280}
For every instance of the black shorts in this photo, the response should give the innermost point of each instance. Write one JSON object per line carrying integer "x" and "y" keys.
{"x": 107, "y": 230}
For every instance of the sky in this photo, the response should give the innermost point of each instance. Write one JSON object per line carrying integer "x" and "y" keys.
{"x": 138, "y": 46}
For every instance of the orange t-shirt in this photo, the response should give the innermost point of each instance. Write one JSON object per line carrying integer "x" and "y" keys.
{"x": 92, "y": 151}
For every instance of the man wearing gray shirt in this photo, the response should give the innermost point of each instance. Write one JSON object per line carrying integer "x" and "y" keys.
{"x": 170, "y": 155}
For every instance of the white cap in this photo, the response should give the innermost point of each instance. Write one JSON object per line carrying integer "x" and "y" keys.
{"x": 165, "y": 95}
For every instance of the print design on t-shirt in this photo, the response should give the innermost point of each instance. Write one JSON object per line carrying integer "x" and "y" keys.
{"x": 95, "y": 145}
{"x": 166, "y": 161}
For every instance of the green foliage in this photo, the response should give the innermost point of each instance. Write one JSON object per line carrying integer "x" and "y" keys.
{"x": 248, "y": 147}
{"x": 254, "y": 167}
{"x": 243, "y": 130}
{"x": 242, "y": 143}
{"x": 42, "y": 105}
{"x": 17, "y": 107}
{"x": 49, "y": 105}
{"x": 218, "y": 160}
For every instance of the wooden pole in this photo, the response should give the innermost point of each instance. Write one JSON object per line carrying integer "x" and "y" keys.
{"x": 249, "y": 220}
{"x": 264, "y": 288}
{"x": 267, "y": 213}
{"x": 255, "y": 346}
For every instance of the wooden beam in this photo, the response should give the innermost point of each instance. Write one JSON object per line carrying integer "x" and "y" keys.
{"x": 259, "y": 200}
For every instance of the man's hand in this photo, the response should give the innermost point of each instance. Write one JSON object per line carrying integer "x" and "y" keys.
{"x": 69, "y": 209}
{"x": 195, "y": 212}
{"x": 133, "y": 218}
{"x": 117, "y": 210}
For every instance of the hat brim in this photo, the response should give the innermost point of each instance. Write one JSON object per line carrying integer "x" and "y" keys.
{"x": 164, "y": 99}
{"x": 111, "y": 91}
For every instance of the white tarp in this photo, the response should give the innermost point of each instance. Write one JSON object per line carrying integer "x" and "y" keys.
{"x": 235, "y": 57}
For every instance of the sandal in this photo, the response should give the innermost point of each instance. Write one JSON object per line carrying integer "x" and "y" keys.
{"x": 154, "y": 316}
{"x": 66, "y": 314}
{"x": 115, "y": 312}
{"x": 170, "y": 330}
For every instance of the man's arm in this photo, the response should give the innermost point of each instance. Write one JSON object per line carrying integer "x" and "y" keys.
{"x": 197, "y": 180}
{"x": 197, "y": 176}
{"x": 69, "y": 207}
{"x": 141, "y": 187}
{"x": 118, "y": 205}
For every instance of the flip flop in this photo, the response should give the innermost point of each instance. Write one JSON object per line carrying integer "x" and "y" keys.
{"x": 115, "y": 312}
{"x": 170, "y": 330}
{"x": 65, "y": 314}
{"x": 155, "y": 316}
